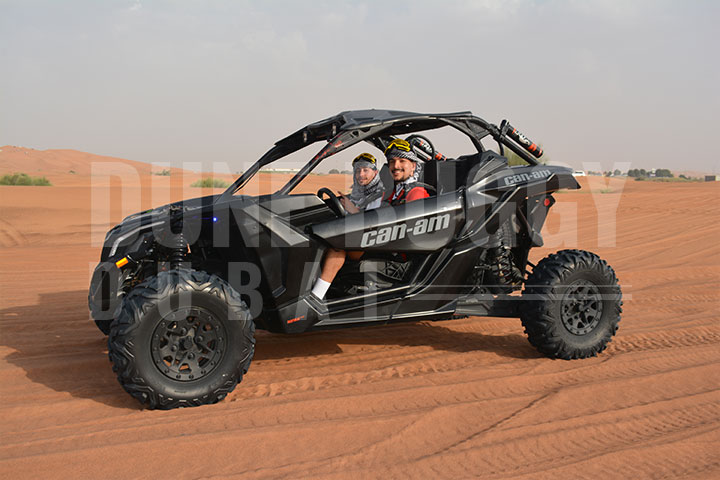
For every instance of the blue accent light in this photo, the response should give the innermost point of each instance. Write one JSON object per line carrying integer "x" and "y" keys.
{"x": 214, "y": 219}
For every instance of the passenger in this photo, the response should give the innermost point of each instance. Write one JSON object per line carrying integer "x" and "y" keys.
{"x": 405, "y": 167}
{"x": 366, "y": 194}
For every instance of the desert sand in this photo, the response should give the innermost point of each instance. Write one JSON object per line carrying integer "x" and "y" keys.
{"x": 454, "y": 399}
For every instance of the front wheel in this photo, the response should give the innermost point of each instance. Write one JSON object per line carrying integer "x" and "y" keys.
{"x": 182, "y": 338}
{"x": 572, "y": 305}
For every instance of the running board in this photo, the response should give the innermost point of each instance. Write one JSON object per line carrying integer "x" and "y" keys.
{"x": 487, "y": 305}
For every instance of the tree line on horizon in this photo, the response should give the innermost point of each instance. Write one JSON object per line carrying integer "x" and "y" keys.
{"x": 659, "y": 172}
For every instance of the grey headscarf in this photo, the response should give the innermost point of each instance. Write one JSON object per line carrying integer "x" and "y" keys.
{"x": 362, "y": 195}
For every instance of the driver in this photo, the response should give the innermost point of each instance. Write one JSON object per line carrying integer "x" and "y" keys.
{"x": 366, "y": 194}
{"x": 367, "y": 190}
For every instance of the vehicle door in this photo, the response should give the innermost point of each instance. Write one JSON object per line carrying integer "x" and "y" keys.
{"x": 424, "y": 225}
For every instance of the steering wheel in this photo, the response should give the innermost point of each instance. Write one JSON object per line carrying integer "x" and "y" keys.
{"x": 423, "y": 144}
{"x": 335, "y": 204}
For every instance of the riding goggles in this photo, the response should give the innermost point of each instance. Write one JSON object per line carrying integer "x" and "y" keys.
{"x": 365, "y": 157}
{"x": 400, "y": 144}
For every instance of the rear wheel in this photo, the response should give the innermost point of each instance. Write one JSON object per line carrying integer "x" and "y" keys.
{"x": 183, "y": 338}
{"x": 572, "y": 305}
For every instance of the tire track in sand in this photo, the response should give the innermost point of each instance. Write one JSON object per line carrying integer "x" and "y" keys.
{"x": 529, "y": 449}
{"x": 10, "y": 236}
{"x": 408, "y": 364}
{"x": 366, "y": 405}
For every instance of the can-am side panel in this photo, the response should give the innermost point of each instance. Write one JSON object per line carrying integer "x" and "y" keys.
{"x": 421, "y": 226}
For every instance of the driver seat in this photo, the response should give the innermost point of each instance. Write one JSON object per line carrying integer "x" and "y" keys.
{"x": 387, "y": 181}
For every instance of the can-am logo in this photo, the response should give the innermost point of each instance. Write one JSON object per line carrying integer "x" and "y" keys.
{"x": 526, "y": 177}
{"x": 384, "y": 235}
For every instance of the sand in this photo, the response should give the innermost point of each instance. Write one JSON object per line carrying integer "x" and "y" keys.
{"x": 455, "y": 399}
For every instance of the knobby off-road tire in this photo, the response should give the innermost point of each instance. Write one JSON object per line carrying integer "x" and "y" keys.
{"x": 571, "y": 305}
{"x": 183, "y": 338}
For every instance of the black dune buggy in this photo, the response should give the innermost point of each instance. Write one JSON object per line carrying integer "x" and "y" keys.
{"x": 181, "y": 288}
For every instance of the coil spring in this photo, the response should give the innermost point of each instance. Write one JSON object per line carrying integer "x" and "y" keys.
{"x": 179, "y": 247}
{"x": 505, "y": 272}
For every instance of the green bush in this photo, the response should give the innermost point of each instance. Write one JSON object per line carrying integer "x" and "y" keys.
{"x": 164, "y": 173}
{"x": 210, "y": 182}
{"x": 24, "y": 179}
{"x": 667, "y": 179}
{"x": 674, "y": 179}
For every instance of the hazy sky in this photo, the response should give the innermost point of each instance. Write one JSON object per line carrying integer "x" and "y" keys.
{"x": 593, "y": 81}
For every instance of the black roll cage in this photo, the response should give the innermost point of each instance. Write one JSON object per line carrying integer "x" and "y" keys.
{"x": 376, "y": 127}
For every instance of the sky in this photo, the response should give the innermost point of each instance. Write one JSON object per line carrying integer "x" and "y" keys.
{"x": 599, "y": 83}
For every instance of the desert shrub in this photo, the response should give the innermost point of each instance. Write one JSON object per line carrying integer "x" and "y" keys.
{"x": 333, "y": 171}
{"x": 668, "y": 179}
{"x": 210, "y": 182}
{"x": 24, "y": 179}
{"x": 674, "y": 179}
{"x": 164, "y": 173}
{"x": 41, "y": 182}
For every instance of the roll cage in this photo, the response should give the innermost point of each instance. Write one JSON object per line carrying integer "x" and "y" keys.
{"x": 376, "y": 127}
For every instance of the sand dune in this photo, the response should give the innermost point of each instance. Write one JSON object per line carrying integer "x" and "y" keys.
{"x": 455, "y": 399}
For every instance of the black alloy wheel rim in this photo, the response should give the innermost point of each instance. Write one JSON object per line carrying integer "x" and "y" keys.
{"x": 188, "y": 344}
{"x": 581, "y": 307}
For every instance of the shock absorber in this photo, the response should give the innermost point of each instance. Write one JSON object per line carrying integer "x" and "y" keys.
{"x": 506, "y": 272}
{"x": 178, "y": 245}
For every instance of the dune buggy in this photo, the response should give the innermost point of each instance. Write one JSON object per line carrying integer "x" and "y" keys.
{"x": 181, "y": 288}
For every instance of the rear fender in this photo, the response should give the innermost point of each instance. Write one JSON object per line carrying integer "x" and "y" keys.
{"x": 522, "y": 192}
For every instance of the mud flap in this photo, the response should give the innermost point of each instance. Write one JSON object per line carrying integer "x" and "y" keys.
{"x": 303, "y": 314}
{"x": 103, "y": 295}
